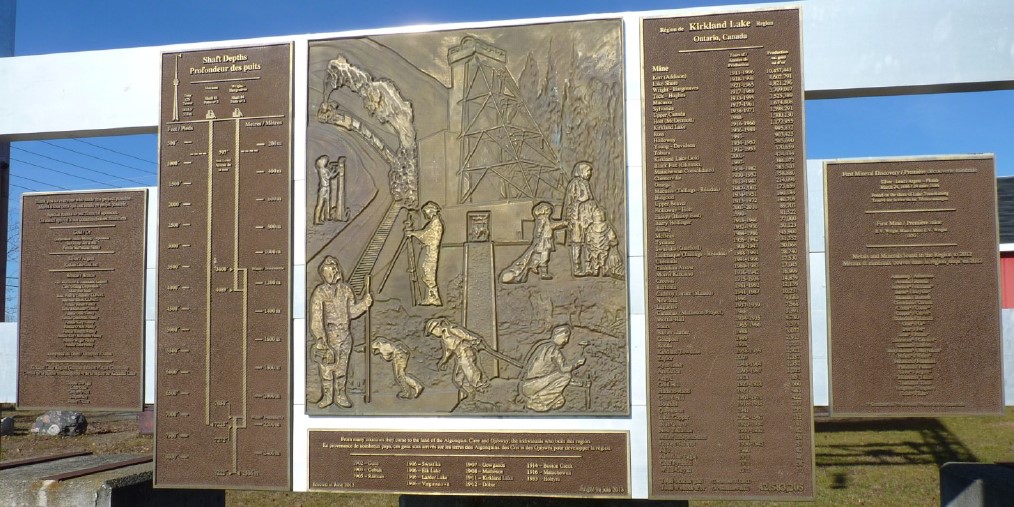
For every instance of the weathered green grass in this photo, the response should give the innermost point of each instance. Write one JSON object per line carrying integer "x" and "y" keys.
{"x": 880, "y": 462}
{"x": 887, "y": 462}
{"x": 876, "y": 462}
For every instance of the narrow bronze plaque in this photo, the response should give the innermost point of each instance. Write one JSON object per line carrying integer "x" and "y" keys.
{"x": 565, "y": 464}
{"x": 81, "y": 328}
{"x": 466, "y": 223}
{"x": 728, "y": 340}
{"x": 913, "y": 296}
{"x": 223, "y": 398}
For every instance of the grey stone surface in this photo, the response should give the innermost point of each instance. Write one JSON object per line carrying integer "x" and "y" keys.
{"x": 127, "y": 486}
{"x": 7, "y": 426}
{"x": 976, "y": 485}
{"x": 60, "y": 422}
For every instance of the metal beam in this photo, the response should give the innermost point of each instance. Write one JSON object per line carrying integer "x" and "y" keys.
{"x": 851, "y": 48}
{"x": 871, "y": 47}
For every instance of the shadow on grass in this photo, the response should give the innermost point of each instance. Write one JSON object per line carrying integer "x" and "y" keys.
{"x": 909, "y": 441}
{"x": 839, "y": 480}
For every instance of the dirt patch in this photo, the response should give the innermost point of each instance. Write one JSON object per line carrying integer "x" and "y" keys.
{"x": 118, "y": 433}
{"x": 108, "y": 433}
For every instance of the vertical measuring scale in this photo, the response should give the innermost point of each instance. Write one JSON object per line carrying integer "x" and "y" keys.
{"x": 224, "y": 297}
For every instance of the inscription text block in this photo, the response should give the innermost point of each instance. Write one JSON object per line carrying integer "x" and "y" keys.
{"x": 913, "y": 297}
{"x": 728, "y": 361}
{"x": 581, "y": 464}
{"x": 81, "y": 331}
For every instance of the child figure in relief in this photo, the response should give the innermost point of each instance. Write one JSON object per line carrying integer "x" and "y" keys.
{"x": 601, "y": 244}
{"x": 536, "y": 258}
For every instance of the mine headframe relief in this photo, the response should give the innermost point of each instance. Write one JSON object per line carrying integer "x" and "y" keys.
{"x": 504, "y": 155}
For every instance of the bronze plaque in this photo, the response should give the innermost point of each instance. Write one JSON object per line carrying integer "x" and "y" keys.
{"x": 728, "y": 339}
{"x": 225, "y": 173}
{"x": 81, "y": 328}
{"x": 913, "y": 296}
{"x": 466, "y": 223}
{"x": 565, "y": 464}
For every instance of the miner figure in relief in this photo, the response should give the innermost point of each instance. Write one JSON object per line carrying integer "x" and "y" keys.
{"x": 547, "y": 373}
{"x": 463, "y": 346}
{"x": 429, "y": 235}
{"x": 333, "y": 305}
{"x": 398, "y": 354}
{"x": 327, "y": 171}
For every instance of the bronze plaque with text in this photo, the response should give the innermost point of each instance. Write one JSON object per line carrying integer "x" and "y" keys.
{"x": 567, "y": 464}
{"x": 81, "y": 327}
{"x": 728, "y": 339}
{"x": 225, "y": 173}
{"x": 913, "y": 296}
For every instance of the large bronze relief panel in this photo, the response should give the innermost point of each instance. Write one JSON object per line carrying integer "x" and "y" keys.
{"x": 466, "y": 223}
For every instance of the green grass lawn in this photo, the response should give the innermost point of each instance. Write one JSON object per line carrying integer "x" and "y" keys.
{"x": 875, "y": 462}
{"x": 885, "y": 462}
{"x": 879, "y": 462}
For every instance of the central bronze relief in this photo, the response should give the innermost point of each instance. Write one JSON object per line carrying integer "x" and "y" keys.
{"x": 466, "y": 223}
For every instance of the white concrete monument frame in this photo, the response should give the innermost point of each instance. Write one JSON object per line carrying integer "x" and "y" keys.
{"x": 850, "y": 48}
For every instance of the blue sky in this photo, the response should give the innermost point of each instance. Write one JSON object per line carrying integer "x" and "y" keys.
{"x": 866, "y": 127}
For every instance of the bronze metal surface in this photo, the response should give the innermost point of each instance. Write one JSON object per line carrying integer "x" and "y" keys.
{"x": 913, "y": 286}
{"x": 224, "y": 366}
{"x": 728, "y": 340}
{"x": 81, "y": 328}
{"x": 571, "y": 464}
{"x": 465, "y": 207}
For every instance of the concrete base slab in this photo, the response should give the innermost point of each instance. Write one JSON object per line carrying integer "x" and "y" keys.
{"x": 128, "y": 486}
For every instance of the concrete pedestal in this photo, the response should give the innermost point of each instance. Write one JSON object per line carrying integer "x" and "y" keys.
{"x": 976, "y": 485}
